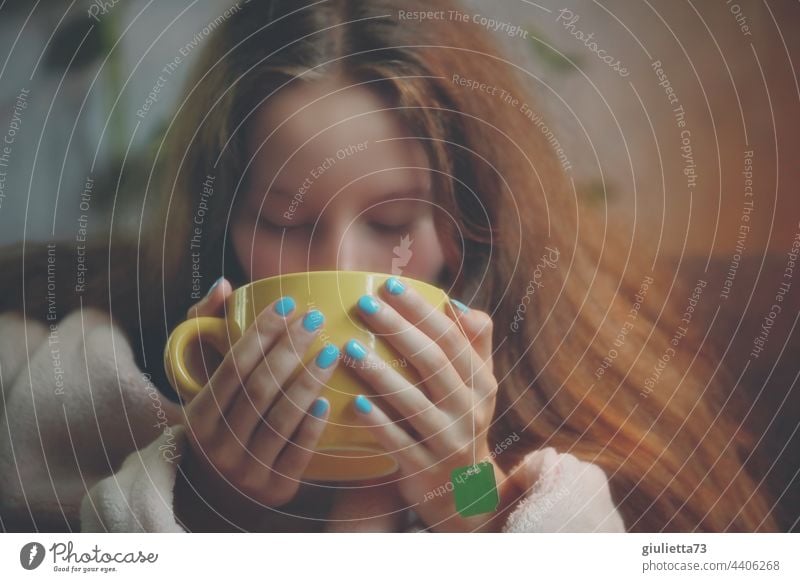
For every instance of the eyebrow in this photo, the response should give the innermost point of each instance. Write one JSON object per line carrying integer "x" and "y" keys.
{"x": 414, "y": 193}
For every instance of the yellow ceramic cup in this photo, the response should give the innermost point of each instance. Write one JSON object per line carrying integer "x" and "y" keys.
{"x": 346, "y": 451}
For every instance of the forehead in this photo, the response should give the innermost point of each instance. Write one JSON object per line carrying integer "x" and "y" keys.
{"x": 331, "y": 137}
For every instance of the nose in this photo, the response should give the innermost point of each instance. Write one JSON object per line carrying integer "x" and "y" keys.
{"x": 337, "y": 248}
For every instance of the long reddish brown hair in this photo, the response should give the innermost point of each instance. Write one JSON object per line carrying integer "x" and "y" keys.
{"x": 673, "y": 451}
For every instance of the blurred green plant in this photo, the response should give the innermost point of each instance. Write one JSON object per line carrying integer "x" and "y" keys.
{"x": 596, "y": 193}
{"x": 551, "y": 58}
{"x": 592, "y": 192}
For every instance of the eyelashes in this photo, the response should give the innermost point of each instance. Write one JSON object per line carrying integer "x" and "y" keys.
{"x": 375, "y": 226}
{"x": 392, "y": 228}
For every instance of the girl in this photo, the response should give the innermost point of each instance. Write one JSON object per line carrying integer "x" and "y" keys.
{"x": 370, "y": 136}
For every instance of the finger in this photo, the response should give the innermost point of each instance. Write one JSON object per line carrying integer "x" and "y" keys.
{"x": 244, "y": 356}
{"x": 294, "y": 459}
{"x": 442, "y": 328}
{"x": 273, "y": 425}
{"x": 409, "y": 454}
{"x": 212, "y": 303}
{"x": 290, "y": 408}
{"x": 266, "y": 383}
{"x": 408, "y": 400}
{"x": 478, "y": 327}
{"x": 440, "y": 378}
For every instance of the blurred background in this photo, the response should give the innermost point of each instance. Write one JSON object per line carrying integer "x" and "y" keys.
{"x": 89, "y": 67}
{"x": 80, "y": 140}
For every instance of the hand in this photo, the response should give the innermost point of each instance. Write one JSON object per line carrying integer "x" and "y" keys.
{"x": 458, "y": 388}
{"x": 252, "y": 434}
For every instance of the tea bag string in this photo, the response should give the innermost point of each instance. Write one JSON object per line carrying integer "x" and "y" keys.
{"x": 471, "y": 385}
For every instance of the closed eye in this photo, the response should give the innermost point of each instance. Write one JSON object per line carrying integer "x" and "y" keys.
{"x": 268, "y": 224}
{"x": 392, "y": 228}
{"x": 379, "y": 227}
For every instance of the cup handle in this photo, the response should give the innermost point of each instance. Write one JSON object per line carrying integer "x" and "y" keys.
{"x": 213, "y": 330}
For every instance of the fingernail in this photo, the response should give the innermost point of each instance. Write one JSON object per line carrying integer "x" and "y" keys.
{"x": 313, "y": 320}
{"x": 214, "y": 286}
{"x": 319, "y": 408}
{"x": 355, "y": 350}
{"x": 284, "y": 306}
{"x": 394, "y": 286}
{"x": 368, "y": 304}
{"x": 327, "y": 356}
{"x": 363, "y": 405}
{"x": 463, "y": 308}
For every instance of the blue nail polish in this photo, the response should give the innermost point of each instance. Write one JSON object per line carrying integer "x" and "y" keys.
{"x": 394, "y": 286}
{"x": 214, "y": 286}
{"x": 284, "y": 306}
{"x": 313, "y": 320}
{"x": 363, "y": 405}
{"x": 368, "y": 304}
{"x": 355, "y": 350}
{"x": 327, "y": 356}
{"x": 319, "y": 408}
{"x": 463, "y": 308}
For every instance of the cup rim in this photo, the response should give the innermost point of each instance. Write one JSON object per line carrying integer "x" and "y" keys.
{"x": 306, "y": 274}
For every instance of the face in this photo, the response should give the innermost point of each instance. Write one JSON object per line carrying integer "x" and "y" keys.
{"x": 333, "y": 185}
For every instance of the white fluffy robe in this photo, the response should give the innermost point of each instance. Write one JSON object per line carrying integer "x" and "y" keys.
{"x": 87, "y": 443}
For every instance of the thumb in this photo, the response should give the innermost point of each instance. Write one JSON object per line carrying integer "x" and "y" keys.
{"x": 212, "y": 303}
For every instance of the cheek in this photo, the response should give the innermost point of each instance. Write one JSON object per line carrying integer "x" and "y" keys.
{"x": 425, "y": 255}
{"x": 256, "y": 251}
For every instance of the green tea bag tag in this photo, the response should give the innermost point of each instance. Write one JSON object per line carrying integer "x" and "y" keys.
{"x": 475, "y": 489}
